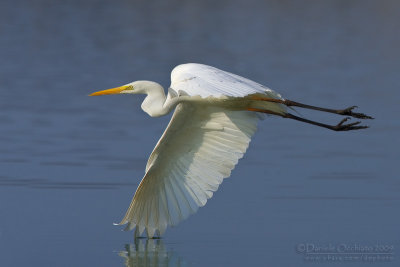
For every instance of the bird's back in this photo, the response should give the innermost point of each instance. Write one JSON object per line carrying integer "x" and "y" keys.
{"x": 201, "y": 80}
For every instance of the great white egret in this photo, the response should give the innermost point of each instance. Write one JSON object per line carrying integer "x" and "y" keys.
{"x": 216, "y": 114}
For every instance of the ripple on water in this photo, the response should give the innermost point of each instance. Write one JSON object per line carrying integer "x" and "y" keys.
{"x": 14, "y": 160}
{"x": 38, "y": 183}
{"x": 63, "y": 163}
{"x": 349, "y": 175}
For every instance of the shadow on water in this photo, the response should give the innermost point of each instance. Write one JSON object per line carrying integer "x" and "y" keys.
{"x": 150, "y": 252}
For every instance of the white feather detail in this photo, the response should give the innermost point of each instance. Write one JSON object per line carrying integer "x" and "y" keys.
{"x": 199, "y": 148}
{"x": 201, "y": 80}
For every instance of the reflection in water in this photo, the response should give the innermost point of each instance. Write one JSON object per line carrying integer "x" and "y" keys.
{"x": 150, "y": 252}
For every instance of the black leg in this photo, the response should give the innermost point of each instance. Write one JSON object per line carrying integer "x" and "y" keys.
{"x": 338, "y": 127}
{"x": 346, "y": 112}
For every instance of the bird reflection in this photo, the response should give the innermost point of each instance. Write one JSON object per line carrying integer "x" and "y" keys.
{"x": 150, "y": 252}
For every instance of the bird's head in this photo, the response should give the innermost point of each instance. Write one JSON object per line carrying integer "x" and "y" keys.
{"x": 153, "y": 104}
{"x": 124, "y": 89}
{"x": 137, "y": 87}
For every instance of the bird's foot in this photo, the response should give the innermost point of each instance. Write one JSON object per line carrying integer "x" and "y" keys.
{"x": 349, "y": 112}
{"x": 348, "y": 127}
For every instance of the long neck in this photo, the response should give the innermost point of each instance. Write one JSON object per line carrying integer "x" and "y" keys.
{"x": 154, "y": 103}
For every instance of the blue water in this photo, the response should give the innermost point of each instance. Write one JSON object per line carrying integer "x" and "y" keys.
{"x": 69, "y": 164}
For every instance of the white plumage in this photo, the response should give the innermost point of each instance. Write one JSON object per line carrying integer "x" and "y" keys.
{"x": 199, "y": 148}
{"x": 209, "y": 132}
{"x": 206, "y": 81}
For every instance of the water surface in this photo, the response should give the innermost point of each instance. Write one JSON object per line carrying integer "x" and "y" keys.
{"x": 69, "y": 164}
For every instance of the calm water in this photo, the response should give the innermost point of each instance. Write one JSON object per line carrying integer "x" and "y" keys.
{"x": 69, "y": 164}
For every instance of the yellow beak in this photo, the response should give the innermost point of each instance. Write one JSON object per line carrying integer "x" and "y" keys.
{"x": 111, "y": 91}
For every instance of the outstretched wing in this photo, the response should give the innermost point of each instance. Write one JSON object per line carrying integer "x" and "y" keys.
{"x": 199, "y": 148}
{"x": 201, "y": 80}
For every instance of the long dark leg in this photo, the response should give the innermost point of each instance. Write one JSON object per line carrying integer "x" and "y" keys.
{"x": 290, "y": 103}
{"x": 339, "y": 127}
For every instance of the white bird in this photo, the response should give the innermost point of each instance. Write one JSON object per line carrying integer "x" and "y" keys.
{"x": 216, "y": 114}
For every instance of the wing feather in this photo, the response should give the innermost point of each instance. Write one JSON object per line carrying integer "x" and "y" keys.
{"x": 199, "y": 148}
{"x": 201, "y": 80}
